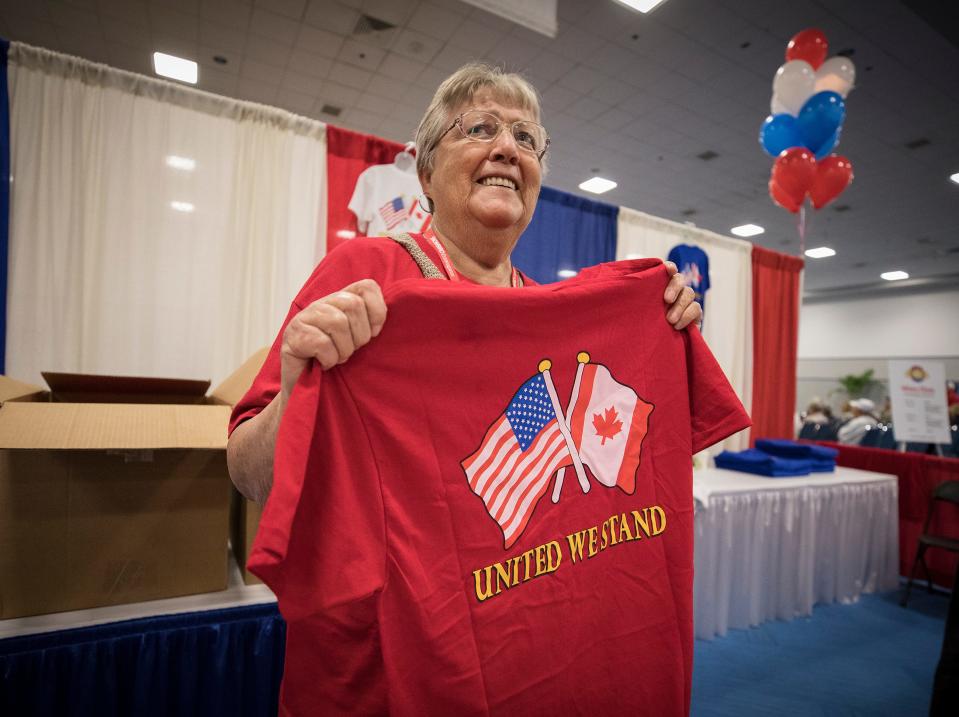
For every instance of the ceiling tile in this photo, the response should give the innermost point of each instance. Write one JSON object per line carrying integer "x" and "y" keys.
{"x": 296, "y": 102}
{"x": 221, "y": 37}
{"x": 309, "y": 64}
{"x": 292, "y": 9}
{"x": 234, "y": 14}
{"x": 339, "y": 95}
{"x": 318, "y": 42}
{"x": 298, "y": 82}
{"x": 268, "y": 51}
{"x": 416, "y": 46}
{"x": 363, "y": 56}
{"x": 400, "y": 68}
{"x": 350, "y": 76}
{"x": 275, "y": 27}
{"x": 435, "y": 21}
{"x": 259, "y": 72}
{"x": 331, "y": 16}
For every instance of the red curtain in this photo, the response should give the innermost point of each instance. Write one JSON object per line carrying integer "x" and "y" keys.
{"x": 348, "y": 154}
{"x": 775, "y": 342}
{"x": 918, "y": 475}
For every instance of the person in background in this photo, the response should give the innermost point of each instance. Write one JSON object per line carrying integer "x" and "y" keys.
{"x": 863, "y": 418}
{"x": 885, "y": 415}
{"x": 817, "y": 412}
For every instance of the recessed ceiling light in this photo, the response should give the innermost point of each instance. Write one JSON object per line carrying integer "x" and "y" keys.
{"x": 176, "y": 68}
{"x": 747, "y": 230}
{"x": 820, "y": 252}
{"x": 182, "y": 206}
{"x": 184, "y": 163}
{"x": 640, "y": 5}
{"x": 566, "y": 273}
{"x": 894, "y": 275}
{"x": 955, "y": 177}
{"x": 597, "y": 185}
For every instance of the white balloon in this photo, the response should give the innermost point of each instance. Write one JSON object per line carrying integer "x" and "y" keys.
{"x": 837, "y": 74}
{"x": 776, "y": 106}
{"x": 795, "y": 82}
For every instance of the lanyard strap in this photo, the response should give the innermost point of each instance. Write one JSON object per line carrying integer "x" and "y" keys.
{"x": 451, "y": 273}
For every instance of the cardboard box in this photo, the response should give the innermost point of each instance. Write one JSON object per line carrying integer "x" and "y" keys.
{"x": 111, "y": 502}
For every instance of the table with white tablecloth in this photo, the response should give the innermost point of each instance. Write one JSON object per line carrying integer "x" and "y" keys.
{"x": 771, "y": 548}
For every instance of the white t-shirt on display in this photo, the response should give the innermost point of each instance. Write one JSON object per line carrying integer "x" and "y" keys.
{"x": 388, "y": 199}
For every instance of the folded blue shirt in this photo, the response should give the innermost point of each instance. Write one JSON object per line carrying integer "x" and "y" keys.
{"x": 823, "y": 458}
{"x": 755, "y": 461}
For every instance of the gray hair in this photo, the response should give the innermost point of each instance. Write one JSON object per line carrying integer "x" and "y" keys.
{"x": 461, "y": 87}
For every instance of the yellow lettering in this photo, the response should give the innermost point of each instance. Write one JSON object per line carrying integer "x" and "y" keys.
{"x": 482, "y": 594}
{"x": 642, "y": 524}
{"x": 502, "y": 577}
{"x": 576, "y": 542}
{"x": 604, "y": 540}
{"x": 540, "y": 560}
{"x": 592, "y": 541}
{"x": 658, "y": 525}
{"x": 554, "y": 546}
{"x": 612, "y": 528}
{"x": 526, "y": 556}
{"x": 624, "y": 529}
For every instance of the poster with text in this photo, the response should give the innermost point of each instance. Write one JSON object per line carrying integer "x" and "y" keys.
{"x": 918, "y": 393}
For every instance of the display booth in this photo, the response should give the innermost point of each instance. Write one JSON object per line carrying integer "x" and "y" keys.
{"x": 241, "y": 201}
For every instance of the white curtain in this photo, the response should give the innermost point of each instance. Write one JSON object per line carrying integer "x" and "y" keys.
{"x": 123, "y": 264}
{"x": 728, "y": 325}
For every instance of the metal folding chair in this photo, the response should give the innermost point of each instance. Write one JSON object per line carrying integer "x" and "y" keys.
{"x": 948, "y": 492}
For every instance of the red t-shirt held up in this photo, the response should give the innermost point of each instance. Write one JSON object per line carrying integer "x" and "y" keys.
{"x": 412, "y": 537}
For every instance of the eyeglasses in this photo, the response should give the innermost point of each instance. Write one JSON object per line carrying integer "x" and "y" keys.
{"x": 482, "y": 126}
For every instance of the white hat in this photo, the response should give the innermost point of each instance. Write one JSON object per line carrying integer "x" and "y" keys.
{"x": 863, "y": 404}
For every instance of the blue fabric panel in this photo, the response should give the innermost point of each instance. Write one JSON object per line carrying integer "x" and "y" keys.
{"x": 567, "y": 232}
{"x": 793, "y": 449}
{"x": 217, "y": 662}
{"x": 4, "y": 198}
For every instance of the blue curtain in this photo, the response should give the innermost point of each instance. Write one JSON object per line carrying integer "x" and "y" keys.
{"x": 217, "y": 662}
{"x": 567, "y": 233}
{"x": 4, "y": 198}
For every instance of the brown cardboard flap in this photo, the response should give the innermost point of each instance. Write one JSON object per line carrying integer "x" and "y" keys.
{"x": 118, "y": 426}
{"x": 238, "y": 383}
{"x": 12, "y": 390}
{"x": 91, "y": 388}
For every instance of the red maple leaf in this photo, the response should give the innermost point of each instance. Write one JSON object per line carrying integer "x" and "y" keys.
{"x": 607, "y": 425}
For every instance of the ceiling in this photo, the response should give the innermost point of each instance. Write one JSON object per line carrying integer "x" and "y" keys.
{"x": 635, "y": 98}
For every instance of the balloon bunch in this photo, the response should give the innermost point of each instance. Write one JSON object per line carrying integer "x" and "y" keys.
{"x": 808, "y": 108}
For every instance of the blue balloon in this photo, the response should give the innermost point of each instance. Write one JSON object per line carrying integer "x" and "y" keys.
{"x": 830, "y": 144}
{"x": 820, "y": 118}
{"x": 779, "y": 132}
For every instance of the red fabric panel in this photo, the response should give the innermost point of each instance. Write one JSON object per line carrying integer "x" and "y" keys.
{"x": 347, "y": 155}
{"x": 775, "y": 342}
{"x": 918, "y": 475}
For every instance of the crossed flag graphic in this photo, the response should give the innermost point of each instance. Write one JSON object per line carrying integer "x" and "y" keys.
{"x": 533, "y": 439}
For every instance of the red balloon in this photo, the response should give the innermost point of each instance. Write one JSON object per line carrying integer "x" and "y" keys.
{"x": 782, "y": 199}
{"x": 794, "y": 172}
{"x": 809, "y": 45}
{"x": 833, "y": 175}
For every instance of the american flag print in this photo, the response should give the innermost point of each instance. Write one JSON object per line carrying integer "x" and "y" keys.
{"x": 522, "y": 449}
{"x": 393, "y": 212}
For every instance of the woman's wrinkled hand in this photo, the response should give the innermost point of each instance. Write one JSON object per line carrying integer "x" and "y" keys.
{"x": 331, "y": 329}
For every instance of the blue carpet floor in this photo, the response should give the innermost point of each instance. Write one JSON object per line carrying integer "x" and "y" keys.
{"x": 872, "y": 658}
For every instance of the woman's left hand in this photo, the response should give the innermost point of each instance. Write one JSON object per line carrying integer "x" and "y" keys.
{"x": 681, "y": 310}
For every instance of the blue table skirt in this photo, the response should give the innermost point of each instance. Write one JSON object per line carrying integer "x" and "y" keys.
{"x": 217, "y": 662}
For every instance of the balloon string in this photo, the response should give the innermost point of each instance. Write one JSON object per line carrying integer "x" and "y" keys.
{"x": 801, "y": 227}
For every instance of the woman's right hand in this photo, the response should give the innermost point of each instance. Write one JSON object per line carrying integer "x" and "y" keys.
{"x": 330, "y": 330}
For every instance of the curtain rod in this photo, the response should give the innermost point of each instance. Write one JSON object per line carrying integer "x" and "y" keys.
{"x": 100, "y": 75}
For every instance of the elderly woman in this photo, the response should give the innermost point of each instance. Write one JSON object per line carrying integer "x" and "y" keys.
{"x": 480, "y": 160}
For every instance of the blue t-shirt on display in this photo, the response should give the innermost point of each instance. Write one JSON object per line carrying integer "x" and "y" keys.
{"x": 693, "y": 264}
